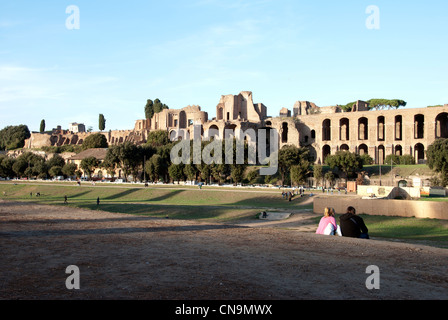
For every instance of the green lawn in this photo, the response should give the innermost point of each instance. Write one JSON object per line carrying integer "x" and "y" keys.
{"x": 401, "y": 170}
{"x": 430, "y": 231}
{"x": 214, "y": 204}
{"x": 176, "y": 202}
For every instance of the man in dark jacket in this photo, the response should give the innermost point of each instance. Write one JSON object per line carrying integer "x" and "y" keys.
{"x": 352, "y": 225}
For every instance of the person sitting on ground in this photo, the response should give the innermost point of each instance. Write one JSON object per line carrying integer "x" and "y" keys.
{"x": 327, "y": 224}
{"x": 352, "y": 225}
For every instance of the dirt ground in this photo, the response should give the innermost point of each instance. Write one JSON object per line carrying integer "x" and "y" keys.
{"x": 128, "y": 257}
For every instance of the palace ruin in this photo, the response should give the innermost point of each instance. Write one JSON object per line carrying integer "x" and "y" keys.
{"x": 324, "y": 130}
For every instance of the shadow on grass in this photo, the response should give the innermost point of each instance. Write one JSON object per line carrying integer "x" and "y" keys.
{"x": 275, "y": 201}
{"x": 180, "y": 212}
{"x": 167, "y": 195}
{"x": 121, "y": 194}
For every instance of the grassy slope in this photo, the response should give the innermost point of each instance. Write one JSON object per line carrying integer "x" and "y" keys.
{"x": 177, "y": 202}
{"x": 215, "y": 204}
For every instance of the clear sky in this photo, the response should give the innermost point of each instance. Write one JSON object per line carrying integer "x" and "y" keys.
{"x": 187, "y": 52}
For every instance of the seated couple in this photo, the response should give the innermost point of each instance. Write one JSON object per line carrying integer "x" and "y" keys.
{"x": 351, "y": 225}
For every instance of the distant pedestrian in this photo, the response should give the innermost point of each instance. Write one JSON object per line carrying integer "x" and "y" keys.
{"x": 98, "y": 201}
{"x": 65, "y": 199}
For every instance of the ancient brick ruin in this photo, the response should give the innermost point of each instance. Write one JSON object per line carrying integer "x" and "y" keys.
{"x": 325, "y": 130}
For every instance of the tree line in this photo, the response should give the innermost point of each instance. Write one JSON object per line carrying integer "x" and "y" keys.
{"x": 152, "y": 162}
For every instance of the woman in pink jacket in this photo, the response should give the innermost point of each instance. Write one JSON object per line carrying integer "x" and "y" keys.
{"x": 327, "y": 224}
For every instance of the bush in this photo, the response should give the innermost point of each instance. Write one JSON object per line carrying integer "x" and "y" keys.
{"x": 403, "y": 160}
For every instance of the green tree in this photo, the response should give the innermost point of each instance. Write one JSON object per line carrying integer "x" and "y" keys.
{"x": 380, "y": 104}
{"x": 318, "y": 173}
{"x": 13, "y": 137}
{"x": 149, "y": 109}
{"x": 253, "y": 176}
{"x": 157, "y": 138}
{"x": 128, "y": 157}
{"x": 299, "y": 172}
{"x": 191, "y": 172}
{"x": 377, "y": 104}
{"x": 392, "y": 159}
{"x": 55, "y": 171}
{"x": 96, "y": 140}
{"x": 345, "y": 161}
{"x": 69, "y": 170}
{"x": 237, "y": 172}
{"x": 204, "y": 172}
{"x": 437, "y": 155}
{"x": 110, "y": 164}
{"x": 42, "y": 126}
{"x": 329, "y": 176}
{"x": 56, "y": 160}
{"x": 41, "y": 169}
{"x": 176, "y": 172}
{"x": 154, "y": 167}
{"x": 159, "y": 106}
{"x": 289, "y": 156}
{"x": 89, "y": 165}
{"x": 153, "y": 107}
{"x": 6, "y": 164}
{"x": 28, "y": 162}
{"x": 366, "y": 159}
{"x": 101, "y": 122}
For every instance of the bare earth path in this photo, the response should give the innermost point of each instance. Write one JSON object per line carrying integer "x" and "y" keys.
{"x": 128, "y": 257}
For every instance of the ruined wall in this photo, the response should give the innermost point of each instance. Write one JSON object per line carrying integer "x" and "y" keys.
{"x": 240, "y": 107}
{"x": 39, "y": 140}
{"x": 324, "y": 130}
{"x": 378, "y": 133}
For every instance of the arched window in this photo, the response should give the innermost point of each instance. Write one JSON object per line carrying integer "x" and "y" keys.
{"x": 398, "y": 150}
{"x": 344, "y": 129}
{"x": 363, "y": 149}
{"x": 326, "y": 130}
{"x": 442, "y": 125}
{"x": 285, "y": 132}
{"x": 381, "y": 154}
{"x": 398, "y": 127}
{"x": 419, "y": 153}
{"x": 419, "y": 126}
{"x": 381, "y": 128}
{"x": 363, "y": 129}
{"x": 326, "y": 151}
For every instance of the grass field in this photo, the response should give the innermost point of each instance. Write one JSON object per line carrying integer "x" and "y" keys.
{"x": 215, "y": 204}
{"x": 177, "y": 202}
{"x": 431, "y": 230}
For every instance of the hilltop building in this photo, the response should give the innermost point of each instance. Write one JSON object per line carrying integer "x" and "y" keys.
{"x": 324, "y": 130}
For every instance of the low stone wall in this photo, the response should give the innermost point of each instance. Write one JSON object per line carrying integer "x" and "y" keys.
{"x": 402, "y": 208}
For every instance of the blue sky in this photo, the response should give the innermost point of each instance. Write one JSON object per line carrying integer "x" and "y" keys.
{"x": 192, "y": 52}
